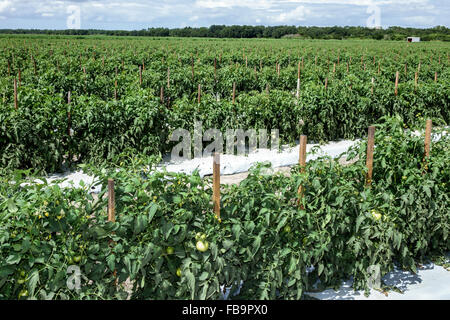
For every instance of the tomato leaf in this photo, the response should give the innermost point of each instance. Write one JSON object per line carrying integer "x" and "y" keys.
{"x": 33, "y": 281}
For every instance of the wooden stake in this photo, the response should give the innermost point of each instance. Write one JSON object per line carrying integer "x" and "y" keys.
{"x": 234, "y": 91}
{"x": 396, "y": 83}
{"x": 216, "y": 184}
{"x": 140, "y": 75}
{"x": 161, "y": 95}
{"x": 20, "y": 78}
{"x": 199, "y": 93}
{"x": 112, "y": 214}
{"x": 326, "y": 83}
{"x": 416, "y": 79}
{"x": 302, "y": 163}
{"x": 435, "y": 76}
{"x": 369, "y": 159}
{"x": 111, "y": 201}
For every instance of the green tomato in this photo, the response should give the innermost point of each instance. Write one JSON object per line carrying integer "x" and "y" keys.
{"x": 287, "y": 229}
{"x": 77, "y": 259}
{"x": 375, "y": 214}
{"x": 179, "y": 272}
{"x": 202, "y": 246}
{"x": 170, "y": 250}
{"x": 23, "y": 293}
{"x": 198, "y": 235}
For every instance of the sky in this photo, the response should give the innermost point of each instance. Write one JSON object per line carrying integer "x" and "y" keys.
{"x": 139, "y": 14}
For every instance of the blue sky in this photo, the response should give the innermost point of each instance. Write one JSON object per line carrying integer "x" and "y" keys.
{"x": 137, "y": 14}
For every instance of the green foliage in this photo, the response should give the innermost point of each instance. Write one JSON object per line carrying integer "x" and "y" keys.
{"x": 106, "y": 130}
{"x": 236, "y": 31}
{"x": 262, "y": 239}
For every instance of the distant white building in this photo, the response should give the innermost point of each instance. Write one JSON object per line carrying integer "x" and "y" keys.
{"x": 413, "y": 39}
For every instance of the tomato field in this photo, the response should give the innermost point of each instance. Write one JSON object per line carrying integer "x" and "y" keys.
{"x": 128, "y": 95}
{"x": 117, "y": 111}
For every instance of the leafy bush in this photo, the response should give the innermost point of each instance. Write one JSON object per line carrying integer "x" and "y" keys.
{"x": 263, "y": 239}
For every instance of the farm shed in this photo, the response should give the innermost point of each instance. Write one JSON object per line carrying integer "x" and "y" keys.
{"x": 413, "y": 39}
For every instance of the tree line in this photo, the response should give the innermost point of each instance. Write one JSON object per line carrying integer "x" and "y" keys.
{"x": 441, "y": 33}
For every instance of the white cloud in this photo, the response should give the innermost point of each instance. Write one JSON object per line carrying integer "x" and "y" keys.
{"x": 264, "y": 4}
{"x": 364, "y": 3}
{"x": 4, "y": 4}
{"x": 258, "y": 4}
{"x": 298, "y": 14}
{"x": 137, "y": 14}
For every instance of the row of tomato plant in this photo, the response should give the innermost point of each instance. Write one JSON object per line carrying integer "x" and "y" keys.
{"x": 36, "y": 135}
{"x": 166, "y": 243}
{"x": 40, "y": 135}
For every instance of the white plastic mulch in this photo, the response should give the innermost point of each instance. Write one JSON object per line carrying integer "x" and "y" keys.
{"x": 431, "y": 282}
{"x": 229, "y": 164}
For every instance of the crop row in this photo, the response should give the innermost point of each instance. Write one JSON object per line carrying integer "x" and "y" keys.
{"x": 263, "y": 238}
{"x": 127, "y": 96}
{"x": 44, "y": 131}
